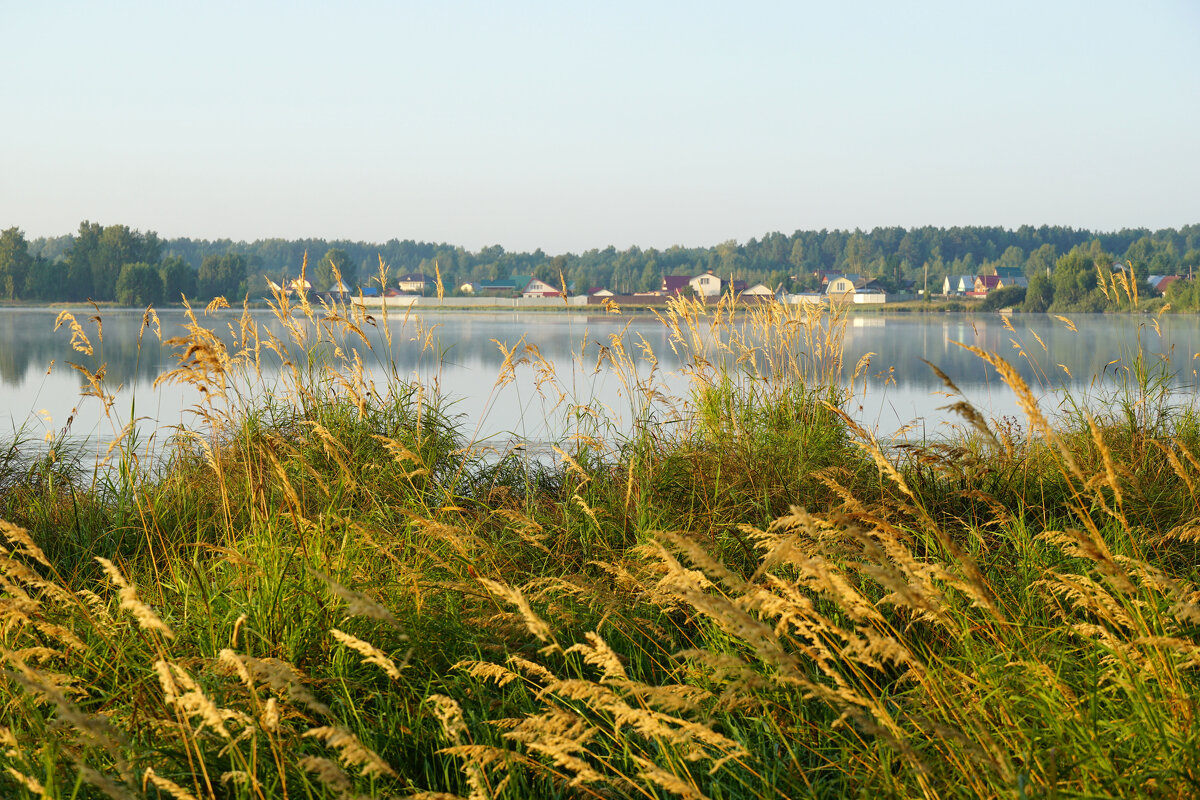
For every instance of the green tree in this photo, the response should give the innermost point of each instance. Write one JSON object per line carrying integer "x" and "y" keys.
{"x": 221, "y": 276}
{"x": 79, "y": 261}
{"x": 139, "y": 284}
{"x": 46, "y": 279}
{"x": 324, "y": 279}
{"x": 178, "y": 277}
{"x": 857, "y": 253}
{"x": 796, "y": 259}
{"x": 1040, "y": 293}
{"x": 117, "y": 247}
{"x": 1012, "y": 257}
{"x": 1075, "y": 279}
{"x": 14, "y": 263}
{"x": 1041, "y": 261}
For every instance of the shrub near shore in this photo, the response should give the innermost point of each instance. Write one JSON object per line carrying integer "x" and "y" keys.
{"x": 334, "y": 595}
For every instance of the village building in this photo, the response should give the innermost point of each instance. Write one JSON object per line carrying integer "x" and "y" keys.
{"x": 675, "y": 284}
{"x": 706, "y": 285}
{"x": 958, "y": 284}
{"x": 416, "y": 283}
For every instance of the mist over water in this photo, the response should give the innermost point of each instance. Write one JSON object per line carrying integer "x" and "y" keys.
{"x": 456, "y": 354}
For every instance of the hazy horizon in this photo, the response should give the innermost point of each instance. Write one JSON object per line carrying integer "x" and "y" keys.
{"x": 545, "y": 126}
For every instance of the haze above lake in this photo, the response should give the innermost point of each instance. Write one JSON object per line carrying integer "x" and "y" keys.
{"x": 453, "y": 352}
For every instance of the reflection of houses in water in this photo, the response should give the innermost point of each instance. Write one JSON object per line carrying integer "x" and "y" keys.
{"x": 862, "y": 321}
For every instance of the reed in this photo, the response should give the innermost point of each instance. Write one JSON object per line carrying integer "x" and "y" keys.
{"x": 327, "y": 591}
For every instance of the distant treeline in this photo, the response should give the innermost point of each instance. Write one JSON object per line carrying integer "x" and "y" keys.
{"x": 116, "y": 263}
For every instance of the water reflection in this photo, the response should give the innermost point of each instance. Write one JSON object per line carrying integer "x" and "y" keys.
{"x": 455, "y": 353}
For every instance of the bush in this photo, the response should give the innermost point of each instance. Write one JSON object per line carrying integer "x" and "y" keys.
{"x": 1008, "y": 297}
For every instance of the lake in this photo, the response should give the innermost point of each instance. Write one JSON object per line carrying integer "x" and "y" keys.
{"x": 453, "y": 353}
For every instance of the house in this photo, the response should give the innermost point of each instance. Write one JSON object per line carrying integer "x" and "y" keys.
{"x": 1160, "y": 282}
{"x": 757, "y": 290}
{"x": 539, "y": 288}
{"x": 1011, "y": 276}
{"x": 415, "y": 283}
{"x": 599, "y": 291}
{"x": 674, "y": 284}
{"x": 958, "y": 284}
{"x": 299, "y": 286}
{"x": 844, "y": 285}
{"x": 706, "y": 285}
{"x": 984, "y": 284}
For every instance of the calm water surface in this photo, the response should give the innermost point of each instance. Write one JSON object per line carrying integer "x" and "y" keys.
{"x": 40, "y": 390}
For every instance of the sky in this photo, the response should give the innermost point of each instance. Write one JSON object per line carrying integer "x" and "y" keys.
{"x": 570, "y": 126}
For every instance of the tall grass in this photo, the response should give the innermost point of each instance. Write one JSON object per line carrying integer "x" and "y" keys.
{"x": 327, "y": 591}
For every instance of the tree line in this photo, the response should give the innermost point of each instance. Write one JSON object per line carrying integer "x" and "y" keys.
{"x": 117, "y": 264}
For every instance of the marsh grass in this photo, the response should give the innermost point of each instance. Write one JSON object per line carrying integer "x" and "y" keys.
{"x": 327, "y": 590}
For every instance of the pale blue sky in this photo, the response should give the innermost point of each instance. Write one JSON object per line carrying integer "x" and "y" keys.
{"x": 570, "y": 126}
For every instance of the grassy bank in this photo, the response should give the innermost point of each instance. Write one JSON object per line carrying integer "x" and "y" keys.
{"x": 334, "y": 595}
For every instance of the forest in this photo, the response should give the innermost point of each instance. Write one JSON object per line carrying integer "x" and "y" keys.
{"x": 115, "y": 263}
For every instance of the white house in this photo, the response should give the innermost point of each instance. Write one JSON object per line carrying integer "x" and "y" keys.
{"x": 958, "y": 284}
{"x": 706, "y": 285}
{"x": 843, "y": 285}
{"x": 539, "y": 288}
{"x": 758, "y": 290}
{"x": 414, "y": 283}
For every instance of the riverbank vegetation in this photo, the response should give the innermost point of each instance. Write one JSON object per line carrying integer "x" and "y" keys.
{"x": 1060, "y": 263}
{"x": 331, "y": 593}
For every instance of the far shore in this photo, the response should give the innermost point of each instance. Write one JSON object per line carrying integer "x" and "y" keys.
{"x": 409, "y": 304}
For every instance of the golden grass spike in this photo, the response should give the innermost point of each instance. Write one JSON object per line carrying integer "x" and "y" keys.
{"x": 165, "y": 785}
{"x": 944, "y": 377}
{"x": 351, "y": 751}
{"x": 1176, "y": 465}
{"x": 146, "y": 617}
{"x": 27, "y": 781}
{"x": 511, "y": 594}
{"x": 976, "y": 420}
{"x": 1102, "y": 281}
{"x": 597, "y": 653}
{"x": 1039, "y": 341}
{"x": 21, "y": 538}
{"x": 79, "y": 340}
{"x": 1065, "y": 321}
{"x": 370, "y": 653}
{"x": 486, "y": 670}
{"x": 1106, "y": 454}
{"x": 450, "y": 715}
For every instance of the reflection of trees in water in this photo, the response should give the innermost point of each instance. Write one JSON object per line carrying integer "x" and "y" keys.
{"x": 902, "y": 343}
{"x": 463, "y": 341}
{"x": 25, "y": 342}
{"x": 456, "y": 341}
